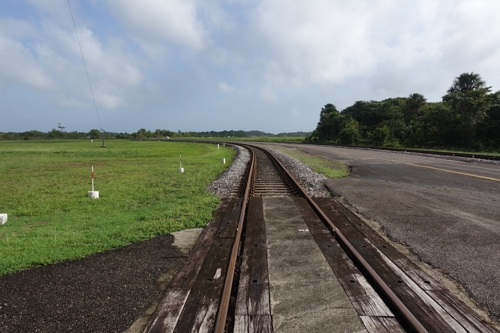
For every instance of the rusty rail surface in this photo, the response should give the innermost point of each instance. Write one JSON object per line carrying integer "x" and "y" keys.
{"x": 220, "y": 322}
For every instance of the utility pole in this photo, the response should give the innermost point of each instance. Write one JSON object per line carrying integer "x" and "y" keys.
{"x": 61, "y": 128}
{"x": 102, "y": 136}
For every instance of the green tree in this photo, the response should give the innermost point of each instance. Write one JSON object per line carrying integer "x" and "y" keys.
{"x": 489, "y": 128}
{"x": 143, "y": 133}
{"x": 94, "y": 133}
{"x": 55, "y": 134}
{"x": 373, "y": 114}
{"x": 438, "y": 126}
{"x": 468, "y": 97}
{"x": 349, "y": 136}
{"x": 158, "y": 133}
{"x": 414, "y": 104}
{"x": 380, "y": 135}
{"x": 329, "y": 125}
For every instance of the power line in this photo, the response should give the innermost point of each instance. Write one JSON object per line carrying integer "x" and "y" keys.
{"x": 86, "y": 71}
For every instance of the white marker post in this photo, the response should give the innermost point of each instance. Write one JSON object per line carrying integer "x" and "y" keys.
{"x": 93, "y": 194}
{"x": 3, "y": 218}
{"x": 217, "y": 146}
{"x": 181, "y": 169}
{"x": 223, "y": 161}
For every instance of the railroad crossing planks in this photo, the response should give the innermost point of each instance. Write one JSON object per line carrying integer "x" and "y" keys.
{"x": 424, "y": 297}
{"x": 253, "y": 311}
{"x": 373, "y": 311}
{"x": 191, "y": 300}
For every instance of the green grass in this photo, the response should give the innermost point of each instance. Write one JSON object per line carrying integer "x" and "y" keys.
{"x": 142, "y": 194}
{"x": 329, "y": 168}
{"x": 282, "y": 139}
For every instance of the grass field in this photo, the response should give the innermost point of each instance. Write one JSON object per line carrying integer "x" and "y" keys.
{"x": 329, "y": 168}
{"x": 283, "y": 139}
{"x": 142, "y": 194}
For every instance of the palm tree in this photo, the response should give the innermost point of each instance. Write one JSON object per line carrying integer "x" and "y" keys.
{"x": 467, "y": 82}
{"x": 414, "y": 104}
{"x": 468, "y": 97}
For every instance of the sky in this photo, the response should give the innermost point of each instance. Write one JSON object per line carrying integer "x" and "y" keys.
{"x": 197, "y": 65}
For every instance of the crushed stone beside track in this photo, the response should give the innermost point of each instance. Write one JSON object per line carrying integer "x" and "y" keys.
{"x": 224, "y": 185}
{"x": 312, "y": 182}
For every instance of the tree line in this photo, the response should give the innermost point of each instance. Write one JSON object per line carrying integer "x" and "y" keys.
{"x": 142, "y": 133}
{"x": 468, "y": 117}
{"x": 59, "y": 134}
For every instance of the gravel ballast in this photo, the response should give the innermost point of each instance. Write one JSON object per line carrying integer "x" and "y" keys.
{"x": 312, "y": 182}
{"x": 224, "y": 185}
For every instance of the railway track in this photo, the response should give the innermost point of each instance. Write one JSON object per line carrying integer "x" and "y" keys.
{"x": 226, "y": 286}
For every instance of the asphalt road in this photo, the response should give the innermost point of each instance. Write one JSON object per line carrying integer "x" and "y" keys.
{"x": 446, "y": 212}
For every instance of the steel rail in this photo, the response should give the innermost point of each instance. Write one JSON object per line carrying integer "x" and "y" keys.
{"x": 387, "y": 293}
{"x": 220, "y": 322}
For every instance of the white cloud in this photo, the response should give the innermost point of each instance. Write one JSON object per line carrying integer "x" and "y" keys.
{"x": 395, "y": 46}
{"x": 169, "y": 57}
{"x": 57, "y": 10}
{"x": 158, "y": 22}
{"x": 110, "y": 101}
{"x": 224, "y": 87}
{"x": 295, "y": 114}
{"x": 315, "y": 41}
{"x": 19, "y": 65}
{"x": 46, "y": 57}
{"x": 268, "y": 95}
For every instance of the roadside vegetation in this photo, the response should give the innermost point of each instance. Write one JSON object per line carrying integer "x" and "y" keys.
{"x": 467, "y": 119}
{"x": 327, "y": 167}
{"x": 282, "y": 139}
{"x": 142, "y": 194}
{"x": 59, "y": 133}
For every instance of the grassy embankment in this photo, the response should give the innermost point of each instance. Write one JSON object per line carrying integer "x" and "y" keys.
{"x": 327, "y": 167}
{"x": 142, "y": 194}
{"x": 282, "y": 139}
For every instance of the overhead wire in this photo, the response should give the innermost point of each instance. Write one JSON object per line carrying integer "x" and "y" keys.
{"x": 86, "y": 71}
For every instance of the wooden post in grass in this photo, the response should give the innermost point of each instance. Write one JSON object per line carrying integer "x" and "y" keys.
{"x": 181, "y": 169}
{"x": 93, "y": 194}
